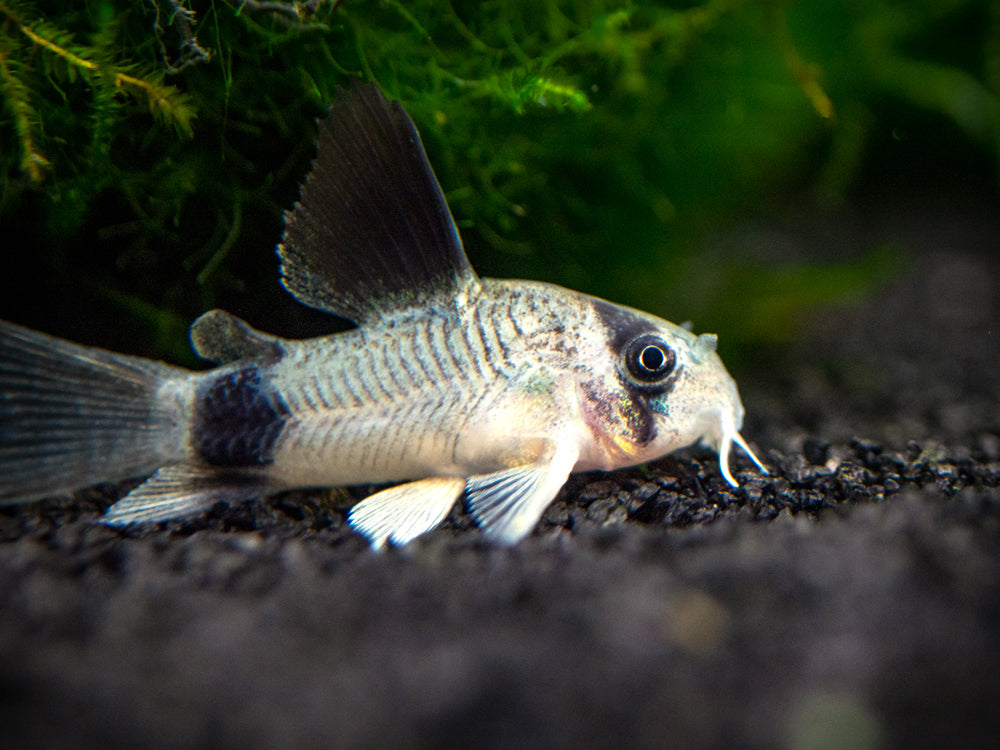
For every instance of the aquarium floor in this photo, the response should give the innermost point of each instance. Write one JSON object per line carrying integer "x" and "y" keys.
{"x": 849, "y": 600}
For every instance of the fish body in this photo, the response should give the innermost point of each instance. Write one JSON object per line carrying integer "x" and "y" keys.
{"x": 495, "y": 390}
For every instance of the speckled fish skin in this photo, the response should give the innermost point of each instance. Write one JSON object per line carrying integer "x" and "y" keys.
{"x": 477, "y": 389}
{"x": 492, "y": 390}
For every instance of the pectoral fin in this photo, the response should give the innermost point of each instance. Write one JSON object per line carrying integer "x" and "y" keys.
{"x": 176, "y": 491}
{"x": 402, "y": 513}
{"x": 508, "y": 504}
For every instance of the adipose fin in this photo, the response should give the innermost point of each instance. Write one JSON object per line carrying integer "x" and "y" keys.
{"x": 221, "y": 337}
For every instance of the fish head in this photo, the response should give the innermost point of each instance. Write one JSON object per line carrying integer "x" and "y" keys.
{"x": 662, "y": 388}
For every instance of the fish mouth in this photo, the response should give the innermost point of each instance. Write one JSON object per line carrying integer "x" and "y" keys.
{"x": 722, "y": 438}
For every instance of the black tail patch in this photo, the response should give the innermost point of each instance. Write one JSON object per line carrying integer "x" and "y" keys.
{"x": 238, "y": 418}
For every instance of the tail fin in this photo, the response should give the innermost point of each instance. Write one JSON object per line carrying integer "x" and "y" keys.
{"x": 72, "y": 416}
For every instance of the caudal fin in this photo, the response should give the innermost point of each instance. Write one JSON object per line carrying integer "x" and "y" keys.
{"x": 72, "y": 416}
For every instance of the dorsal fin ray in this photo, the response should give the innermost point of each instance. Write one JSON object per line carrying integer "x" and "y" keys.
{"x": 371, "y": 233}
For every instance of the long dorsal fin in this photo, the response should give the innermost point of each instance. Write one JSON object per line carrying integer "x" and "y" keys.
{"x": 372, "y": 233}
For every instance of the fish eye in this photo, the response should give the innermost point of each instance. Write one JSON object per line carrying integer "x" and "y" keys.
{"x": 648, "y": 359}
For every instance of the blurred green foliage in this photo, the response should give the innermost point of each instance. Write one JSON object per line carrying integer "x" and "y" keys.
{"x": 149, "y": 147}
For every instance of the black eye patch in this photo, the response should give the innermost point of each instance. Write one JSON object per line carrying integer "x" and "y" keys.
{"x": 648, "y": 359}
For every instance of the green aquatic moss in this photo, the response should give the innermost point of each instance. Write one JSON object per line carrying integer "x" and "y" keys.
{"x": 152, "y": 146}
